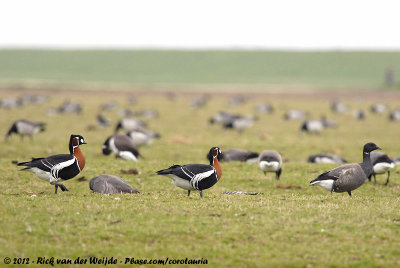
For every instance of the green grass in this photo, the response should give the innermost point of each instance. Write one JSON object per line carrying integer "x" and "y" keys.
{"x": 305, "y": 227}
{"x": 181, "y": 68}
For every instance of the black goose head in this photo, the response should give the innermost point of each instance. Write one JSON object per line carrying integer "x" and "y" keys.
{"x": 370, "y": 146}
{"x": 106, "y": 147}
{"x": 75, "y": 141}
{"x": 215, "y": 152}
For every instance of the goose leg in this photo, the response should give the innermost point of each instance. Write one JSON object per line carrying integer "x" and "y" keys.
{"x": 188, "y": 192}
{"x": 349, "y": 192}
{"x": 374, "y": 178}
{"x": 278, "y": 174}
{"x": 62, "y": 187}
{"x": 369, "y": 178}
{"x": 387, "y": 180}
{"x": 201, "y": 194}
{"x": 265, "y": 173}
{"x": 56, "y": 185}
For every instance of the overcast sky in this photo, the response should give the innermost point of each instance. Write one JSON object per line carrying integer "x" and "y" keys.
{"x": 247, "y": 24}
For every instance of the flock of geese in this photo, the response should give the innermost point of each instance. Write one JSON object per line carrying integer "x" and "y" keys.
{"x": 195, "y": 177}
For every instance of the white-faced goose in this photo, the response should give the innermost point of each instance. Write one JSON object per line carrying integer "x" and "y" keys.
{"x": 25, "y": 128}
{"x": 348, "y": 177}
{"x": 60, "y": 167}
{"x": 270, "y": 161}
{"x": 109, "y": 184}
{"x": 196, "y": 176}
{"x": 381, "y": 164}
{"x": 312, "y": 126}
{"x": 239, "y": 155}
{"x": 122, "y": 146}
{"x": 326, "y": 159}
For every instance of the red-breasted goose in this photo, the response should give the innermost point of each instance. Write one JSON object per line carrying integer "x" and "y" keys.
{"x": 109, "y": 184}
{"x": 349, "y": 177}
{"x": 59, "y": 167}
{"x": 270, "y": 161}
{"x": 381, "y": 164}
{"x": 196, "y": 176}
{"x": 25, "y": 128}
{"x": 122, "y": 146}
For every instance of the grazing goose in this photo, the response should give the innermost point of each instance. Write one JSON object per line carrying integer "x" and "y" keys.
{"x": 339, "y": 107}
{"x": 9, "y": 103}
{"x": 264, "y": 108}
{"x": 235, "y": 101}
{"x": 109, "y": 184}
{"x": 241, "y": 123}
{"x": 270, "y": 161}
{"x": 59, "y": 167}
{"x": 295, "y": 114}
{"x": 239, "y": 155}
{"x": 141, "y": 136}
{"x": 348, "y": 177}
{"x": 69, "y": 107}
{"x": 198, "y": 102}
{"x": 196, "y": 176}
{"x": 395, "y": 115}
{"x": 312, "y": 126}
{"x": 122, "y": 146}
{"x": 102, "y": 121}
{"x": 378, "y": 108}
{"x": 223, "y": 118}
{"x": 129, "y": 124}
{"x": 326, "y": 159}
{"x": 381, "y": 164}
{"x": 25, "y": 128}
{"x": 360, "y": 114}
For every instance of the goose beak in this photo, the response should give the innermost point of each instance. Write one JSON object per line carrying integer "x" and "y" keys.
{"x": 378, "y": 148}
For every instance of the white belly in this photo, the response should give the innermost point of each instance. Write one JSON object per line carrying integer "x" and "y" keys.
{"x": 324, "y": 160}
{"x": 127, "y": 156}
{"x": 326, "y": 184}
{"x": 266, "y": 166}
{"x": 382, "y": 167}
{"x": 184, "y": 184}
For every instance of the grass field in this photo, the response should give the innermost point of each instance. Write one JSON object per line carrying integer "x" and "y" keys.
{"x": 305, "y": 227}
{"x": 150, "y": 69}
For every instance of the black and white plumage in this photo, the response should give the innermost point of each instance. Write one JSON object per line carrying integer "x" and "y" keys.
{"x": 129, "y": 124}
{"x": 141, "y": 136}
{"x": 233, "y": 121}
{"x": 109, "y": 184}
{"x": 348, "y": 177}
{"x": 59, "y": 167}
{"x": 122, "y": 146}
{"x": 196, "y": 176}
{"x": 295, "y": 114}
{"x": 381, "y": 164}
{"x": 239, "y": 155}
{"x": 25, "y": 128}
{"x": 312, "y": 126}
{"x": 326, "y": 159}
{"x": 270, "y": 161}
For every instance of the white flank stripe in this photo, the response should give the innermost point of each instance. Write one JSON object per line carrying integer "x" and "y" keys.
{"x": 198, "y": 177}
{"x": 57, "y": 168}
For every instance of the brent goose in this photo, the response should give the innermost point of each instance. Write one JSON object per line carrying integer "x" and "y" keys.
{"x": 239, "y": 155}
{"x": 312, "y": 126}
{"x": 122, "y": 146}
{"x": 381, "y": 164}
{"x": 270, "y": 161}
{"x": 25, "y": 128}
{"x": 326, "y": 159}
{"x": 348, "y": 177}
